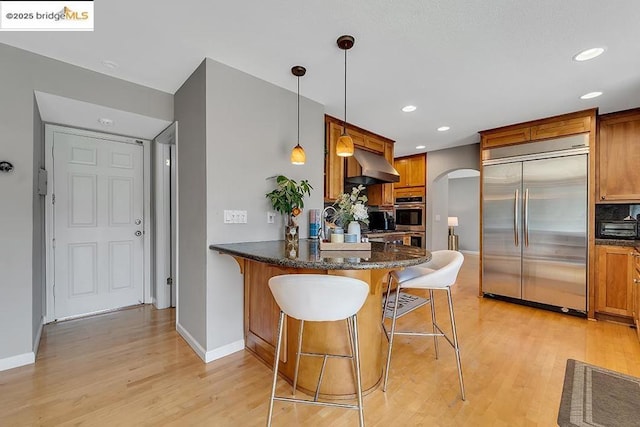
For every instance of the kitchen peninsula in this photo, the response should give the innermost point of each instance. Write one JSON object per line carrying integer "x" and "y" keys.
{"x": 260, "y": 261}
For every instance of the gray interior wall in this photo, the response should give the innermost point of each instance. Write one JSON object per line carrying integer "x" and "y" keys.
{"x": 38, "y": 258}
{"x": 190, "y": 112}
{"x": 439, "y": 164}
{"x": 251, "y": 129}
{"x": 464, "y": 202}
{"x": 21, "y": 73}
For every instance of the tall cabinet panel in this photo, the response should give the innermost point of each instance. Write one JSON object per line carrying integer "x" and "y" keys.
{"x": 619, "y": 157}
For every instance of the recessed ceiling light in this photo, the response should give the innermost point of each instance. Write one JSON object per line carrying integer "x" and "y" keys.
{"x": 443, "y": 128}
{"x": 588, "y": 54}
{"x": 591, "y": 95}
{"x": 409, "y": 108}
{"x": 420, "y": 147}
{"x": 105, "y": 122}
{"x": 109, "y": 64}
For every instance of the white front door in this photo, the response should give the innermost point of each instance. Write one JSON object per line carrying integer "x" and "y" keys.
{"x": 98, "y": 224}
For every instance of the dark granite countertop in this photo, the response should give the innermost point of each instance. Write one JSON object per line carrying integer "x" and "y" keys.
{"x": 309, "y": 256}
{"x": 618, "y": 242}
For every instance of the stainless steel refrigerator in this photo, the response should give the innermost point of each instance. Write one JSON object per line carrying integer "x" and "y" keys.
{"x": 535, "y": 220}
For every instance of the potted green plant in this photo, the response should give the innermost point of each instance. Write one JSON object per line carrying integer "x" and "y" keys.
{"x": 288, "y": 199}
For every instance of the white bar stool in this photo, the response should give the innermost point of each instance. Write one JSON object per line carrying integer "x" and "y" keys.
{"x": 438, "y": 273}
{"x": 318, "y": 298}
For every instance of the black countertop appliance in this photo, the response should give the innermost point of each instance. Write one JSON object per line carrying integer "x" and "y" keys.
{"x": 381, "y": 221}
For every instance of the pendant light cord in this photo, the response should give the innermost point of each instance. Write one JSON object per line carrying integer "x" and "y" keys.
{"x": 345, "y": 92}
{"x": 298, "y": 110}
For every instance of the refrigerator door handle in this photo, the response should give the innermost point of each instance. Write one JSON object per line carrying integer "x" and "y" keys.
{"x": 515, "y": 219}
{"x": 525, "y": 217}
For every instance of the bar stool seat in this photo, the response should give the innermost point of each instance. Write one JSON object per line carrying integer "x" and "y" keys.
{"x": 318, "y": 298}
{"x": 439, "y": 273}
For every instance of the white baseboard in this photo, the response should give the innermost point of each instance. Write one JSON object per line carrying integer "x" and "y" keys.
{"x": 36, "y": 340}
{"x": 223, "y": 351}
{"x": 211, "y": 355}
{"x": 193, "y": 343}
{"x": 470, "y": 252}
{"x": 16, "y": 361}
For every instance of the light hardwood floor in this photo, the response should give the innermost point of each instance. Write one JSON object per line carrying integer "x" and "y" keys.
{"x": 132, "y": 368}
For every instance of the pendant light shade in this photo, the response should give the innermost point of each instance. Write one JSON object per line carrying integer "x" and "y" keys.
{"x": 344, "y": 146}
{"x": 298, "y": 157}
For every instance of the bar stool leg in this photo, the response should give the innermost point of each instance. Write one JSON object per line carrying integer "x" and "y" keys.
{"x": 356, "y": 355}
{"x": 386, "y": 299}
{"x": 393, "y": 330}
{"x": 455, "y": 342}
{"x": 433, "y": 321}
{"x": 275, "y": 368}
{"x": 295, "y": 375}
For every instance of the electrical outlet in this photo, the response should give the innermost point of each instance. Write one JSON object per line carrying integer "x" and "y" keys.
{"x": 271, "y": 217}
{"x": 242, "y": 217}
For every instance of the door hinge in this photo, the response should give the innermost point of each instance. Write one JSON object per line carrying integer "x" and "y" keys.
{"x": 53, "y": 199}
{"x": 169, "y": 281}
{"x": 54, "y": 243}
{"x": 139, "y": 142}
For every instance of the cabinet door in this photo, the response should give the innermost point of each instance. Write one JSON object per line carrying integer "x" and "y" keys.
{"x": 375, "y": 144}
{"x": 410, "y": 192}
{"x": 619, "y": 158}
{"x": 561, "y": 128}
{"x": 334, "y": 164}
{"x": 402, "y": 166}
{"x": 506, "y": 137}
{"x": 416, "y": 171}
{"x": 636, "y": 289}
{"x": 614, "y": 279}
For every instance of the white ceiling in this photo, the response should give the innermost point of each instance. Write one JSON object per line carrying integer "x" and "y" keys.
{"x": 471, "y": 65}
{"x": 71, "y": 112}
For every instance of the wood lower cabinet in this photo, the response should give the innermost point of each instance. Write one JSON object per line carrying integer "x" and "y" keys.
{"x": 261, "y": 315}
{"x": 614, "y": 280}
{"x": 636, "y": 289}
{"x": 336, "y": 168}
{"x": 619, "y": 157}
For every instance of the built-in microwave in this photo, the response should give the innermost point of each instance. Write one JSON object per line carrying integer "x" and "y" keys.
{"x": 410, "y": 216}
{"x": 617, "y": 230}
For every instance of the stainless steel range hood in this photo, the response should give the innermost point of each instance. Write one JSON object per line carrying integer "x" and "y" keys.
{"x": 375, "y": 169}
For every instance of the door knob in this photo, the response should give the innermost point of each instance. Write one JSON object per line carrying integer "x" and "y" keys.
{"x": 138, "y": 233}
{"x": 138, "y": 221}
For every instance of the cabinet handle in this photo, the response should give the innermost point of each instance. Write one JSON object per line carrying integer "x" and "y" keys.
{"x": 636, "y": 280}
{"x": 603, "y": 197}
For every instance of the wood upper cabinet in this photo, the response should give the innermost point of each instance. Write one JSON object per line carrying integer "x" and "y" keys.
{"x": 619, "y": 157}
{"x": 333, "y": 164}
{"x": 336, "y": 168}
{"x": 614, "y": 280}
{"x": 412, "y": 170}
{"x": 506, "y": 137}
{"x": 556, "y": 128}
{"x": 537, "y": 130}
{"x": 410, "y": 192}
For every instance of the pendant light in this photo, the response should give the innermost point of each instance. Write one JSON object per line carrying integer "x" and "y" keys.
{"x": 344, "y": 147}
{"x": 297, "y": 154}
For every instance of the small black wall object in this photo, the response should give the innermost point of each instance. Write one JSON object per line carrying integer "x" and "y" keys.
{"x": 5, "y": 166}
